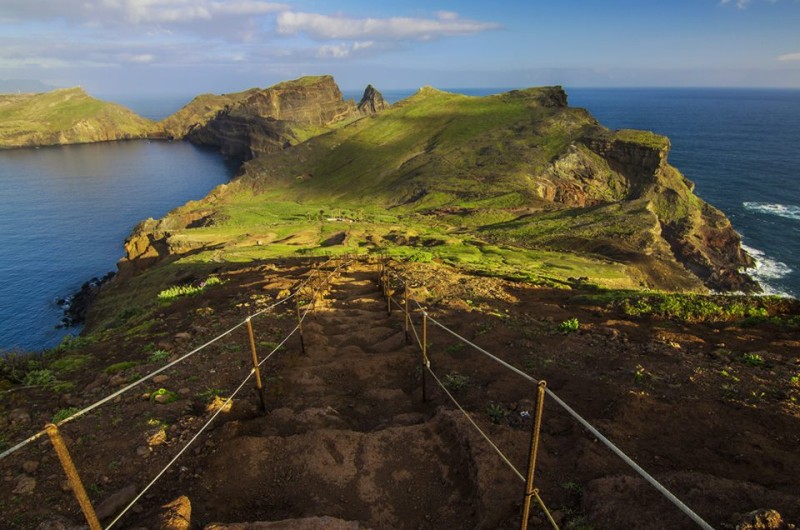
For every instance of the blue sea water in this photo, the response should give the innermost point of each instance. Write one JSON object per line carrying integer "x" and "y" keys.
{"x": 66, "y": 211}
{"x": 65, "y": 214}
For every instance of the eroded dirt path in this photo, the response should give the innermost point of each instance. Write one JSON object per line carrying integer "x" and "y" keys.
{"x": 346, "y": 434}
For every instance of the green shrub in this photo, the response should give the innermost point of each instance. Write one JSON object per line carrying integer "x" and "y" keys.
{"x": 14, "y": 366}
{"x": 158, "y": 356}
{"x": 209, "y": 394}
{"x": 752, "y": 359}
{"x": 455, "y": 381}
{"x": 42, "y": 377}
{"x": 64, "y": 414}
{"x": 169, "y": 396}
{"x": 420, "y": 256}
{"x": 569, "y": 326}
{"x": 496, "y": 413}
{"x": 120, "y": 367}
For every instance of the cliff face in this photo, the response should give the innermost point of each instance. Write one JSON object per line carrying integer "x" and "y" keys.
{"x": 66, "y": 116}
{"x": 198, "y": 112}
{"x": 256, "y": 122}
{"x": 700, "y": 236}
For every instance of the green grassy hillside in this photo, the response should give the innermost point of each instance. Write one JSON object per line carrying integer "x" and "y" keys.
{"x": 516, "y": 184}
{"x": 64, "y": 117}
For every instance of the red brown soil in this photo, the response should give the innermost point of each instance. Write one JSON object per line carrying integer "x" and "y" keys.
{"x": 347, "y": 437}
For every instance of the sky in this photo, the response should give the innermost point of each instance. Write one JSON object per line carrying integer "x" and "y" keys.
{"x": 194, "y": 46}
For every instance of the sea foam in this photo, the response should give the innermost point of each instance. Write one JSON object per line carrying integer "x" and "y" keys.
{"x": 788, "y": 211}
{"x": 766, "y": 270}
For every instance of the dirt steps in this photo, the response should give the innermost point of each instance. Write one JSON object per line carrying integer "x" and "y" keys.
{"x": 346, "y": 435}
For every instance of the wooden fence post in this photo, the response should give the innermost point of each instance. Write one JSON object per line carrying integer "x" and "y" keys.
{"x": 259, "y": 386}
{"x": 72, "y": 476}
{"x": 535, "y": 430}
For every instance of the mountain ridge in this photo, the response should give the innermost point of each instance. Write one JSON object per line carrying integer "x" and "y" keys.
{"x": 520, "y": 169}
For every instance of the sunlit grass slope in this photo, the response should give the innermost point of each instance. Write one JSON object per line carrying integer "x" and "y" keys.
{"x": 65, "y": 116}
{"x": 419, "y": 181}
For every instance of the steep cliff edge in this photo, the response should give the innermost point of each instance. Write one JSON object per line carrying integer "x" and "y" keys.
{"x": 256, "y": 122}
{"x": 700, "y": 236}
{"x": 65, "y": 116}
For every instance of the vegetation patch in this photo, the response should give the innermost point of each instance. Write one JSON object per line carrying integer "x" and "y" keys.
{"x": 699, "y": 307}
{"x": 163, "y": 396}
{"x": 752, "y": 359}
{"x": 178, "y": 291}
{"x": 70, "y": 363}
{"x": 120, "y": 367}
{"x": 455, "y": 381}
{"x": 158, "y": 356}
{"x": 63, "y": 414}
{"x": 570, "y": 325}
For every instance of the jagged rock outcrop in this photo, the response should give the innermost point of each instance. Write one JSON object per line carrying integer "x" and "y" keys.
{"x": 266, "y": 121}
{"x": 372, "y": 101}
{"x": 66, "y": 116}
{"x": 198, "y": 112}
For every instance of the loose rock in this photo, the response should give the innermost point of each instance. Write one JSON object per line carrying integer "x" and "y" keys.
{"x": 24, "y": 485}
{"x": 115, "y": 502}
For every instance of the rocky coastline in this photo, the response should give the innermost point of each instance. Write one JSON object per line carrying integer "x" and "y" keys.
{"x": 76, "y": 305}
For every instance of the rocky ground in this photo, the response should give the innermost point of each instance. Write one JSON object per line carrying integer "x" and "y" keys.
{"x": 347, "y": 441}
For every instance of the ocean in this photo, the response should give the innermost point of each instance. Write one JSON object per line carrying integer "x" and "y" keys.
{"x": 67, "y": 210}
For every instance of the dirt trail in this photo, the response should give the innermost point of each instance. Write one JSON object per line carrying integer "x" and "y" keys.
{"x": 348, "y": 443}
{"x": 346, "y": 434}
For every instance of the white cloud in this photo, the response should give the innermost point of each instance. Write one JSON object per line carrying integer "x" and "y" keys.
{"x": 143, "y": 58}
{"x": 166, "y": 11}
{"x": 790, "y": 57}
{"x": 112, "y": 12}
{"x": 741, "y": 4}
{"x": 343, "y": 50}
{"x": 332, "y": 27}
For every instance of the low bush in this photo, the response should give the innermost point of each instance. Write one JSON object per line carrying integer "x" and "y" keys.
{"x": 569, "y": 326}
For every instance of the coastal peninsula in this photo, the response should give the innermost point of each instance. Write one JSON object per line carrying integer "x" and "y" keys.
{"x": 575, "y": 253}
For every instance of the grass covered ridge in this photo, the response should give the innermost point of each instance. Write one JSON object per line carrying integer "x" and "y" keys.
{"x": 487, "y": 183}
{"x": 65, "y": 116}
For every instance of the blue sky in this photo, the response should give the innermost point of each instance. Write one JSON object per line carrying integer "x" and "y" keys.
{"x": 193, "y": 46}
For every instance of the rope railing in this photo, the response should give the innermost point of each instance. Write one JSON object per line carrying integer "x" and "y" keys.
{"x": 318, "y": 284}
{"x": 141, "y": 380}
{"x": 220, "y": 408}
{"x": 485, "y": 436}
{"x": 253, "y": 371}
{"x": 58, "y": 442}
{"x": 386, "y": 277}
{"x": 530, "y": 491}
{"x": 152, "y": 374}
